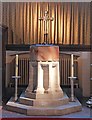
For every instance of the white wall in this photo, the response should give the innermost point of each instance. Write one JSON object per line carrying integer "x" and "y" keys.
{"x": 84, "y": 73}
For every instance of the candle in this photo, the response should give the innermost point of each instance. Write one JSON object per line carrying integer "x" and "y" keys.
{"x": 72, "y": 69}
{"x": 16, "y": 72}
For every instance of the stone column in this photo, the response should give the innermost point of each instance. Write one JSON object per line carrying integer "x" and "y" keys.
{"x": 44, "y": 56}
{"x": 58, "y": 78}
{"x": 30, "y": 86}
{"x": 50, "y": 76}
{"x": 40, "y": 88}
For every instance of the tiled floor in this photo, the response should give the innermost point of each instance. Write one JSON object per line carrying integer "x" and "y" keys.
{"x": 85, "y": 113}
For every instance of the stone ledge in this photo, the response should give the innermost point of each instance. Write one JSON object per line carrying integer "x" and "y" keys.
{"x": 49, "y": 95}
{"x": 44, "y": 102}
{"x": 45, "y": 111}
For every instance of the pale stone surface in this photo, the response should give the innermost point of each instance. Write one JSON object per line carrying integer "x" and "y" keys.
{"x": 44, "y": 101}
{"x": 84, "y": 73}
{"x": 53, "y": 78}
{"x": 44, "y": 77}
{"x": 71, "y": 107}
{"x": 44, "y": 95}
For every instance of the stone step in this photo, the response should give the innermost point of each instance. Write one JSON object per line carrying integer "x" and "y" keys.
{"x": 50, "y": 95}
{"x": 71, "y": 107}
{"x": 43, "y": 102}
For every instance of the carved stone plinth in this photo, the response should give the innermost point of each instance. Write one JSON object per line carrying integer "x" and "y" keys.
{"x": 43, "y": 95}
{"x": 44, "y": 78}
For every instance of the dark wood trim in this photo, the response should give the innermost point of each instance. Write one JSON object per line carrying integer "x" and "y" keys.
{"x": 16, "y": 47}
{"x": 76, "y": 48}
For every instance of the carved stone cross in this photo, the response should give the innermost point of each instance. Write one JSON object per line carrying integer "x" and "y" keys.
{"x": 46, "y": 18}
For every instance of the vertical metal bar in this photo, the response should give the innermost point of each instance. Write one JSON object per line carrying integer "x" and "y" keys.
{"x": 21, "y": 71}
{"x": 62, "y": 73}
{"x": 24, "y": 71}
{"x": 27, "y": 73}
{"x": 60, "y": 70}
{"x": 68, "y": 73}
{"x": 63, "y": 70}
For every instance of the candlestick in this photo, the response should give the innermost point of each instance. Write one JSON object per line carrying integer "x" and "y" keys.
{"x": 72, "y": 78}
{"x": 72, "y": 68}
{"x": 16, "y": 71}
{"x": 16, "y": 80}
